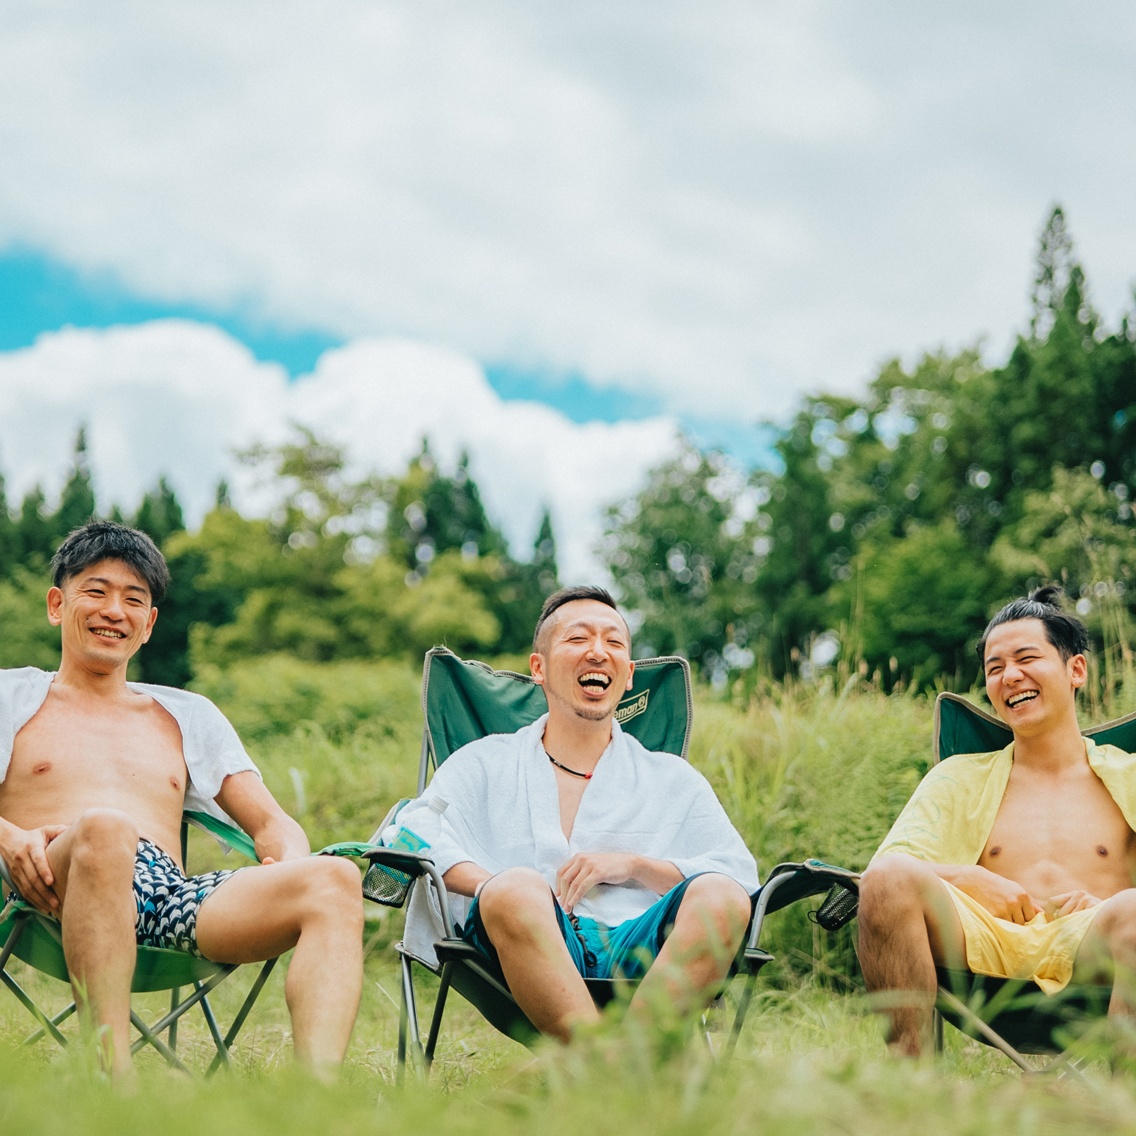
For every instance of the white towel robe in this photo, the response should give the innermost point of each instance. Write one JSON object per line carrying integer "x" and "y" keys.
{"x": 503, "y": 811}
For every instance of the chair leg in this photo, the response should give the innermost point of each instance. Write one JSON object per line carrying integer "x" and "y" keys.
{"x": 12, "y": 940}
{"x": 150, "y": 1033}
{"x": 172, "y": 1033}
{"x": 408, "y": 1031}
{"x": 740, "y": 1014}
{"x": 214, "y": 1029}
{"x": 47, "y": 1025}
{"x": 150, "y": 1037}
{"x": 225, "y": 1043}
{"x": 62, "y": 1016}
{"x": 439, "y": 1010}
{"x": 964, "y": 1011}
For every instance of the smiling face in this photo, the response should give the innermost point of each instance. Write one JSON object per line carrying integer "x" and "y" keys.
{"x": 586, "y": 666}
{"x": 1028, "y": 683}
{"x": 104, "y": 613}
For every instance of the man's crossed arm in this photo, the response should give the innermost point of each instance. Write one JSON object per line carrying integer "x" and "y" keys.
{"x": 1005, "y": 898}
{"x": 579, "y": 874}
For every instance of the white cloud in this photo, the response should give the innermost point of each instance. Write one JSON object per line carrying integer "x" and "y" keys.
{"x": 725, "y": 203}
{"x": 179, "y": 399}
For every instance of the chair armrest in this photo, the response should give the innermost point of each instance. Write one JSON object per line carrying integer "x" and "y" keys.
{"x": 226, "y": 833}
{"x": 790, "y": 882}
{"x": 412, "y": 863}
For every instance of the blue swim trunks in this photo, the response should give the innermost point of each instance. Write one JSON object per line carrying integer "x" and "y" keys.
{"x": 600, "y": 951}
{"x": 167, "y": 901}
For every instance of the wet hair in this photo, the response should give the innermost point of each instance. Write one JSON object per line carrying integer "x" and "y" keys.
{"x": 108, "y": 540}
{"x": 568, "y": 595}
{"x": 1064, "y": 631}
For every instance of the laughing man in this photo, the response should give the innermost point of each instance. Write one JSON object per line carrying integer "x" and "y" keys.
{"x": 1017, "y": 864}
{"x": 94, "y": 774}
{"x": 584, "y": 854}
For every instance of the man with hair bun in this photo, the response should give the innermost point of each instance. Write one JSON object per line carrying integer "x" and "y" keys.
{"x": 95, "y": 772}
{"x": 1015, "y": 864}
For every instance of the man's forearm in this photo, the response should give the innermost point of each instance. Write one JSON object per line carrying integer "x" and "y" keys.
{"x": 961, "y": 875}
{"x": 1001, "y": 896}
{"x": 658, "y": 875}
{"x": 464, "y": 878}
{"x": 282, "y": 839}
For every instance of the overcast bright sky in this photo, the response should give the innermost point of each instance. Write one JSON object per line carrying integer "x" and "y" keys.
{"x": 634, "y": 216}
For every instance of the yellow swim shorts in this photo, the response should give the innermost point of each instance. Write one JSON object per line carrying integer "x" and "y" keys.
{"x": 1037, "y": 950}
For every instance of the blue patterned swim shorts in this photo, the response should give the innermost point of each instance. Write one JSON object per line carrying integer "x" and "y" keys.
{"x": 167, "y": 900}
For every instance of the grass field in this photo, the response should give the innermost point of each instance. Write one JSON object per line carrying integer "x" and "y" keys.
{"x": 803, "y": 771}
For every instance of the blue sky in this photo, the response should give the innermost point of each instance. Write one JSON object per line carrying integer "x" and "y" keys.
{"x": 39, "y": 294}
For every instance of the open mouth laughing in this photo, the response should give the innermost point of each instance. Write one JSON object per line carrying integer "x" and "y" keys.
{"x": 1016, "y": 700}
{"x": 595, "y": 682}
{"x": 108, "y": 633}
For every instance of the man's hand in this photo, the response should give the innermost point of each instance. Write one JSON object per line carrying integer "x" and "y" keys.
{"x": 25, "y": 853}
{"x": 1068, "y": 902}
{"x": 1003, "y": 898}
{"x": 580, "y": 873}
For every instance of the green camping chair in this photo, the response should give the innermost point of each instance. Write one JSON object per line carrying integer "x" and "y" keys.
{"x": 463, "y": 701}
{"x": 1011, "y": 1015}
{"x": 36, "y": 939}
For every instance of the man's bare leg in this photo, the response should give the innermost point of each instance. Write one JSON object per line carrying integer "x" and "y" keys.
{"x": 93, "y": 864}
{"x": 697, "y": 955}
{"x": 518, "y": 915}
{"x": 907, "y": 925}
{"x": 316, "y": 906}
{"x": 1108, "y": 954}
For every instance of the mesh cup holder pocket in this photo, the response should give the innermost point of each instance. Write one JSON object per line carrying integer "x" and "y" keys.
{"x": 838, "y": 908}
{"x": 385, "y": 885}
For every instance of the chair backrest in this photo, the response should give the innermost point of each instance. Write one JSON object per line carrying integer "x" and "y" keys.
{"x": 463, "y": 700}
{"x": 961, "y": 727}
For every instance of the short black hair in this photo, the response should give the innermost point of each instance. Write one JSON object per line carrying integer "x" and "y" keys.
{"x": 1064, "y": 631}
{"x": 109, "y": 540}
{"x": 569, "y": 595}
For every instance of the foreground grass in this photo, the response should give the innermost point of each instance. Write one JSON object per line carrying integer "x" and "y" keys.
{"x": 810, "y": 1061}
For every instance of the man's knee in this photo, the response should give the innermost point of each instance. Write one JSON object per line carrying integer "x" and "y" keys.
{"x": 893, "y": 883}
{"x": 1116, "y": 924}
{"x": 332, "y": 888}
{"x": 515, "y": 898}
{"x": 102, "y": 840}
{"x": 721, "y": 905}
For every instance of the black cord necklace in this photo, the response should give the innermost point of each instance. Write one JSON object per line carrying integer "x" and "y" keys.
{"x": 574, "y": 772}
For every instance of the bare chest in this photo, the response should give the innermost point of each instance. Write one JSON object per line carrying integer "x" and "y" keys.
{"x": 1069, "y": 825}
{"x": 69, "y": 758}
{"x": 570, "y": 791}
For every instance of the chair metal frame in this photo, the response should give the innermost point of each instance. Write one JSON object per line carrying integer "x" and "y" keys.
{"x": 37, "y": 940}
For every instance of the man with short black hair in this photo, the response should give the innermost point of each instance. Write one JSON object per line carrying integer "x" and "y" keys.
{"x": 1016, "y": 864}
{"x": 585, "y": 854}
{"x": 95, "y": 773}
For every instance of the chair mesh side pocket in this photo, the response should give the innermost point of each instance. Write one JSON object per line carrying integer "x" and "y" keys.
{"x": 838, "y": 908}
{"x": 386, "y": 886}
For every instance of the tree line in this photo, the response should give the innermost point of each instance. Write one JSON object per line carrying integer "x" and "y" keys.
{"x": 888, "y": 527}
{"x": 341, "y": 568}
{"x": 884, "y": 529}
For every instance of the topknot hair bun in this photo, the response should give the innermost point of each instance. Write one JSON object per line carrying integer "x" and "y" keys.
{"x": 1050, "y": 594}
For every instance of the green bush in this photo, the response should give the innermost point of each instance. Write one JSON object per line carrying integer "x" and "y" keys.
{"x": 337, "y": 743}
